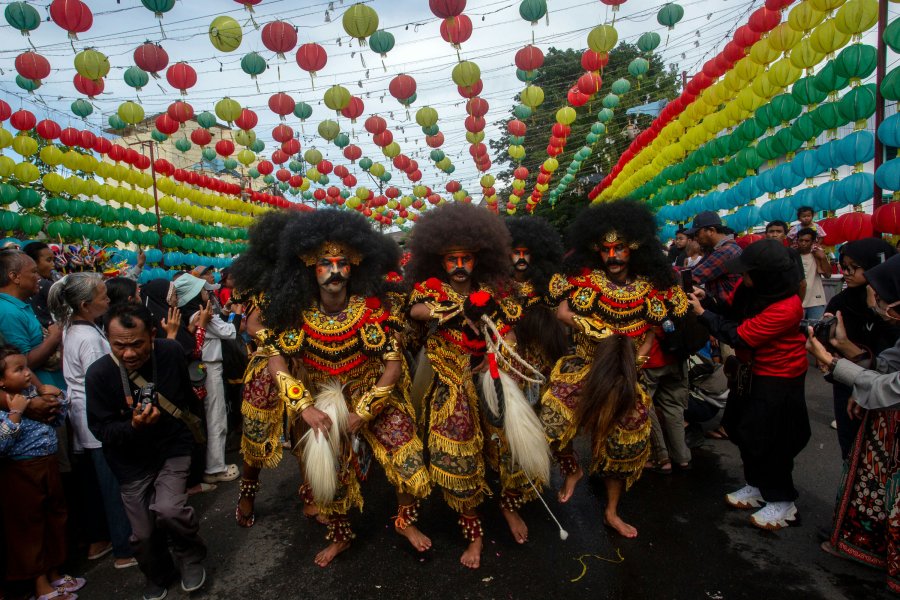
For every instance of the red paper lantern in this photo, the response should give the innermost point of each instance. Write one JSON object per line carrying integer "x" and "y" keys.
{"x": 477, "y": 106}
{"x": 594, "y": 61}
{"x": 745, "y": 37}
{"x": 470, "y": 91}
{"x": 295, "y": 181}
{"x": 886, "y": 218}
{"x": 180, "y": 111}
{"x": 151, "y": 58}
{"x": 282, "y": 175}
{"x": 415, "y": 175}
{"x": 375, "y": 124}
{"x": 102, "y": 145}
{"x": 166, "y": 124}
{"x": 402, "y": 87}
{"x": 349, "y": 181}
{"x": 201, "y": 137}
{"x": 265, "y": 167}
{"x": 520, "y": 173}
{"x": 279, "y": 157}
{"x": 383, "y": 139}
{"x": 48, "y": 129}
{"x": 87, "y": 139}
{"x": 88, "y": 87}
{"x": 401, "y": 162}
{"x": 116, "y": 153}
{"x": 456, "y": 30}
{"x": 444, "y": 9}
{"x": 247, "y": 120}
{"x": 282, "y": 133}
{"x": 554, "y": 151}
{"x": 225, "y": 148}
{"x": 341, "y": 170}
{"x": 516, "y": 128}
{"x": 161, "y": 165}
{"x": 529, "y": 58}
{"x": 291, "y": 146}
{"x": 131, "y": 156}
{"x": 778, "y": 4}
{"x": 23, "y": 120}
{"x": 474, "y": 124}
{"x": 5, "y": 110}
{"x": 733, "y": 52}
{"x": 181, "y": 76}
{"x": 311, "y": 57}
{"x": 281, "y": 104}
{"x": 279, "y": 37}
{"x": 69, "y": 137}
{"x": 412, "y": 165}
{"x": 589, "y": 83}
{"x": 435, "y": 141}
{"x": 352, "y": 153}
{"x": 324, "y": 167}
{"x": 32, "y": 65}
{"x": 476, "y": 150}
{"x": 354, "y": 109}
{"x": 141, "y": 162}
{"x": 855, "y": 226}
{"x": 72, "y": 15}
{"x": 576, "y": 97}
{"x": 763, "y": 20}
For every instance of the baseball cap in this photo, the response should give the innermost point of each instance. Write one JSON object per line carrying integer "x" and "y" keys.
{"x": 707, "y": 218}
{"x": 200, "y": 271}
{"x": 763, "y": 255}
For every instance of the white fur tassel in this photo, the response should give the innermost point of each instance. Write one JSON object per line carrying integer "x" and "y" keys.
{"x": 524, "y": 433}
{"x": 322, "y": 454}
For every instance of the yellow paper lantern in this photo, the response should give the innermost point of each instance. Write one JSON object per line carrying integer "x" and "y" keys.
{"x": 245, "y": 138}
{"x": 130, "y": 112}
{"x": 360, "y": 21}
{"x": 487, "y": 181}
{"x": 856, "y": 16}
{"x": 762, "y": 53}
{"x": 603, "y": 38}
{"x": 337, "y": 98}
{"x": 803, "y": 56}
{"x": 516, "y": 152}
{"x": 826, "y": 5}
{"x": 53, "y": 182}
{"x": 227, "y": 109}
{"x": 391, "y": 150}
{"x": 827, "y": 39}
{"x": 6, "y": 166}
{"x": 474, "y": 137}
{"x": 804, "y": 17}
{"x": 6, "y": 138}
{"x": 24, "y": 145}
{"x": 783, "y": 37}
{"x": 566, "y": 115}
{"x": 551, "y": 164}
{"x": 26, "y": 172}
{"x": 532, "y": 96}
{"x": 91, "y": 64}
{"x": 748, "y": 69}
{"x": 466, "y": 74}
{"x": 781, "y": 75}
{"x": 245, "y": 157}
{"x": 377, "y": 169}
{"x": 225, "y": 34}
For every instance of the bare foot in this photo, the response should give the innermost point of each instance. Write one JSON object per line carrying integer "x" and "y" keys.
{"x": 310, "y": 511}
{"x": 517, "y": 525}
{"x": 419, "y": 540}
{"x": 327, "y": 555}
{"x": 244, "y": 514}
{"x": 568, "y": 486}
{"x": 621, "y": 527}
{"x": 472, "y": 556}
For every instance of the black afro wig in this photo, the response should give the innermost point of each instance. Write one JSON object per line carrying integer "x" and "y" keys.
{"x": 543, "y": 242}
{"x": 253, "y": 269}
{"x": 635, "y": 223}
{"x": 459, "y": 225}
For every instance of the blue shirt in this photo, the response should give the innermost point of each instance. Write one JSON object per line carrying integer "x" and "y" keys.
{"x": 21, "y": 328}
{"x": 27, "y": 438}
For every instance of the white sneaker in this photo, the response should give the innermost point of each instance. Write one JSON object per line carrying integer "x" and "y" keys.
{"x": 746, "y": 497}
{"x": 774, "y": 515}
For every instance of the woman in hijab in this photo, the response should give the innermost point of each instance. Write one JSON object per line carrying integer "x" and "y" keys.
{"x": 866, "y": 524}
{"x": 864, "y": 328}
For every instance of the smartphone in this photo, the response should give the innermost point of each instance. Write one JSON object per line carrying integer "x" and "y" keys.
{"x": 687, "y": 281}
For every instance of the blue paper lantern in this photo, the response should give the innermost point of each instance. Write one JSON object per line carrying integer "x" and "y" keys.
{"x": 766, "y": 182}
{"x": 889, "y": 131}
{"x": 858, "y": 147}
{"x": 888, "y": 175}
{"x": 748, "y": 189}
{"x": 856, "y": 189}
{"x": 785, "y": 177}
{"x": 154, "y": 255}
{"x": 829, "y": 155}
{"x": 806, "y": 164}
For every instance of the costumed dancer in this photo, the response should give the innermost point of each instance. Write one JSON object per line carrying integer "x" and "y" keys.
{"x": 261, "y": 407}
{"x": 537, "y": 253}
{"x": 616, "y": 294}
{"x": 459, "y": 254}
{"x": 347, "y": 379}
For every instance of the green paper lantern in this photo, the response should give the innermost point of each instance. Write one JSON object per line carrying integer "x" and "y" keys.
{"x": 158, "y": 136}
{"x": 59, "y": 228}
{"x": 206, "y": 119}
{"x": 856, "y": 62}
{"x": 858, "y": 104}
{"x": 253, "y": 64}
{"x": 29, "y": 85}
{"x": 785, "y": 108}
{"x": 828, "y": 80}
{"x": 230, "y": 164}
{"x": 620, "y": 86}
{"x": 610, "y": 101}
{"x": 136, "y": 77}
{"x": 381, "y": 42}
{"x": 257, "y": 146}
{"x": 31, "y": 224}
{"x": 522, "y": 112}
{"x": 209, "y": 154}
{"x": 295, "y": 166}
{"x": 892, "y": 35}
{"x": 604, "y": 115}
{"x": 82, "y": 108}
{"x": 638, "y": 67}
{"x": 29, "y": 198}
{"x": 806, "y": 92}
{"x": 533, "y": 10}
{"x": 302, "y": 111}
{"x": 527, "y": 76}
{"x": 8, "y": 193}
{"x": 342, "y": 140}
{"x": 56, "y": 206}
{"x": 9, "y": 221}
{"x": 158, "y": 6}
{"x": 116, "y": 123}
{"x": 182, "y": 144}
{"x": 22, "y": 16}
{"x": 648, "y": 42}
{"x": 890, "y": 86}
{"x": 670, "y": 14}
{"x": 805, "y": 128}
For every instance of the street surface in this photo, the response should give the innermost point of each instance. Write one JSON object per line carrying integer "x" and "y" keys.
{"x": 690, "y": 546}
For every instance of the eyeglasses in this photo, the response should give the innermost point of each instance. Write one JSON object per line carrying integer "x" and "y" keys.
{"x": 851, "y": 269}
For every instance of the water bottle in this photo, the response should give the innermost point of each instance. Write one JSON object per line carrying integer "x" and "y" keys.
{"x": 668, "y": 326}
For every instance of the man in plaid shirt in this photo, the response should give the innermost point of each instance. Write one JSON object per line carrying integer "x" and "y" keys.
{"x": 709, "y": 231}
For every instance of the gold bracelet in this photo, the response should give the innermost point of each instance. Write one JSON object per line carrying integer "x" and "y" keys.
{"x": 640, "y": 359}
{"x": 364, "y": 406}
{"x": 264, "y": 336}
{"x": 392, "y": 355}
{"x": 382, "y": 391}
{"x": 590, "y": 328}
{"x": 293, "y": 392}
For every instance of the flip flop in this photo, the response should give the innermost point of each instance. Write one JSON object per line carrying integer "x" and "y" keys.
{"x": 68, "y": 583}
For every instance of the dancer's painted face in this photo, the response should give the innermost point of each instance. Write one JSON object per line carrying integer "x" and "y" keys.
{"x": 615, "y": 256}
{"x": 332, "y": 272}
{"x": 459, "y": 265}
{"x": 521, "y": 258}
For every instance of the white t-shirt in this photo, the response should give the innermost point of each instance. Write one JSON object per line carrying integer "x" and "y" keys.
{"x": 815, "y": 291}
{"x": 83, "y": 343}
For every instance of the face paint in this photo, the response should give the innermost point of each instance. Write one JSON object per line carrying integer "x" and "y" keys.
{"x": 459, "y": 264}
{"x": 332, "y": 272}
{"x": 615, "y": 253}
{"x": 521, "y": 258}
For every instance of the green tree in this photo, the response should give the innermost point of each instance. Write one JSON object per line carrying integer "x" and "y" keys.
{"x": 560, "y": 72}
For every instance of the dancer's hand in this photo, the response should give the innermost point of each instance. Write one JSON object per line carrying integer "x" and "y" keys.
{"x": 317, "y": 420}
{"x": 354, "y": 422}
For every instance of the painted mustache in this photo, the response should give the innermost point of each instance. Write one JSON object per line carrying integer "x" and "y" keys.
{"x": 521, "y": 263}
{"x": 336, "y": 278}
{"x": 456, "y": 272}
{"x": 615, "y": 262}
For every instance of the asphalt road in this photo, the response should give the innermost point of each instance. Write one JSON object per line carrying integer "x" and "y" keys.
{"x": 690, "y": 545}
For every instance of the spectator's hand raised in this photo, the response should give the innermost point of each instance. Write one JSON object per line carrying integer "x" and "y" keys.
{"x": 141, "y": 258}
{"x": 172, "y": 323}
{"x": 146, "y": 417}
{"x": 694, "y": 301}
{"x": 205, "y": 315}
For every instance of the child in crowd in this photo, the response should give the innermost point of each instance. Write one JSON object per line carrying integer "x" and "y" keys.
{"x": 805, "y": 215}
{"x": 31, "y": 502}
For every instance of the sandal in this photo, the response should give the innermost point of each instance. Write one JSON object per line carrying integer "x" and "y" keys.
{"x": 716, "y": 434}
{"x": 59, "y": 593}
{"x": 663, "y": 469}
{"x": 248, "y": 489}
{"x": 68, "y": 583}
{"x": 230, "y": 473}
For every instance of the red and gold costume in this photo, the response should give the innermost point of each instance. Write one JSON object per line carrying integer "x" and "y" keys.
{"x": 604, "y": 308}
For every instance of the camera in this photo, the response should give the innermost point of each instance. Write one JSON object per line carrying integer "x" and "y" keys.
{"x": 822, "y": 329}
{"x": 146, "y": 395}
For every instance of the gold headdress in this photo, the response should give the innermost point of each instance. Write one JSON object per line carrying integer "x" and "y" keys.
{"x": 331, "y": 249}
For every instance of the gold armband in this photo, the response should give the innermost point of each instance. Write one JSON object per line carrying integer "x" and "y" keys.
{"x": 293, "y": 392}
{"x": 640, "y": 359}
{"x": 442, "y": 313}
{"x": 590, "y": 328}
{"x": 372, "y": 402}
{"x": 392, "y": 355}
{"x": 264, "y": 337}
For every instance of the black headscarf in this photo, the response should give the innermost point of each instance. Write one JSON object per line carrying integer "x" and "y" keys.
{"x": 155, "y": 295}
{"x": 885, "y": 279}
{"x": 865, "y": 252}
